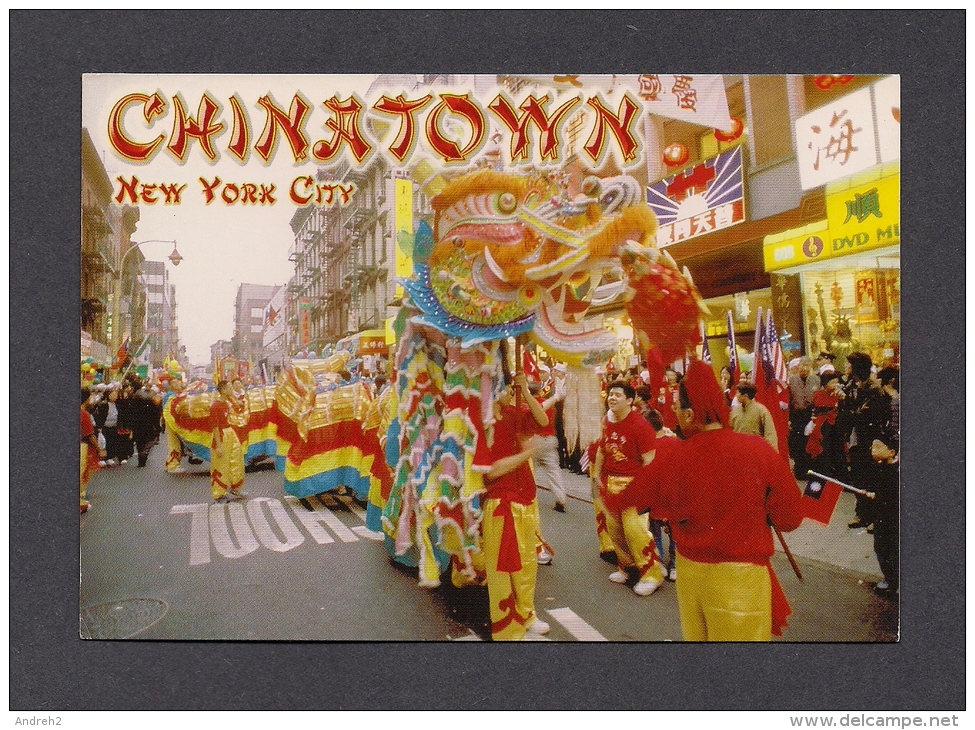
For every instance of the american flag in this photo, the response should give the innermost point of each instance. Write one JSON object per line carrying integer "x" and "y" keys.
{"x": 773, "y": 361}
{"x": 732, "y": 352}
{"x": 772, "y": 388}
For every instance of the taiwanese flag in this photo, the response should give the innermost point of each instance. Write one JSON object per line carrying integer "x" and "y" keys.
{"x": 705, "y": 350}
{"x": 819, "y": 498}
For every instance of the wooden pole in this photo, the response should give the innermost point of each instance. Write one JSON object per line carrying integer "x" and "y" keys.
{"x": 788, "y": 553}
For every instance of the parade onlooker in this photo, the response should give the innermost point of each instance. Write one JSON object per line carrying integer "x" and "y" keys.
{"x": 886, "y": 453}
{"x": 824, "y": 443}
{"x": 91, "y": 454}
{"x": 666, "y": 440}
{"x": 726, "y": 384}
{"x": 667, "y": 398}
{"x": 802, "y": 386}
{"x": 546, "y": 461}
{"x": 509, "y": 525}
{"x": 825, "y": 362}
{"x": 106, "y": 415}
{"x": 753, "y": 418}
{"x": 627, "y": 443}
{"x": 862, "y": 415}
{"x": 144, "y": 424}
{"x": 719, "y": 490}
{"x": 226, "y": 454}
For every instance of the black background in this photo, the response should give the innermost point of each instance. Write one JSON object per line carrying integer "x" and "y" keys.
{"x": 52, "y": 669}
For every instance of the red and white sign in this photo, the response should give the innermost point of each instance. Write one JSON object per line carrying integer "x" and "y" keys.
{"x": 850, "y": 134}
{"x": 705, "y": 198}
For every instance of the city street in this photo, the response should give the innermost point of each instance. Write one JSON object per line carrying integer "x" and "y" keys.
{"x": 159, "y": 561}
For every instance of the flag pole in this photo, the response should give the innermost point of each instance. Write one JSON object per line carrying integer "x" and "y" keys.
{"x": 788, "y": 553}
{"x": 847, "y": 487}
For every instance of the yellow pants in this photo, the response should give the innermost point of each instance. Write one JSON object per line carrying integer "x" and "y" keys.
{"x": 631, "y": 536}
{"x": 602, "y": 532}
{"x": 511, "y": 595}
{"x": 85, "y": 474}
{"x": 227, "y": 471}
{"x": 724, "y": 601}
{"x": 175, "y": 449}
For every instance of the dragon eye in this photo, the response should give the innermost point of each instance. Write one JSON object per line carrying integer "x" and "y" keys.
{"x": 507, "y": 203}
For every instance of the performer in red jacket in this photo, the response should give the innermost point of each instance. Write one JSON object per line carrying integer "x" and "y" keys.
{"x": 719, "y": 490}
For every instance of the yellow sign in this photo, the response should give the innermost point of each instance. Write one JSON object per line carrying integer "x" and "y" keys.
{"x": 864, "y": 216}
{"x": 404, "y": 230}
{"x": 862, "y": 213}
{"x": 797, "y": 246}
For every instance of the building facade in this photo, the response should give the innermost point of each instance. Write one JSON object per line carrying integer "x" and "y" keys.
{"x": 106, "y": 231}
{"x": 249, "y": 310}
{"x": 161, "y": 329}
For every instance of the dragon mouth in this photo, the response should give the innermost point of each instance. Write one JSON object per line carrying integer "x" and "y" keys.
{"x": 502, "y": 234}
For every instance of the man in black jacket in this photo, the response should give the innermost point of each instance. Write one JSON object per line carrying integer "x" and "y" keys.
{"x": 862, "y": 416}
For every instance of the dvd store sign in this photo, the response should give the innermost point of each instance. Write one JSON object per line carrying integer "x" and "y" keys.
{"x": 702, "y": 199}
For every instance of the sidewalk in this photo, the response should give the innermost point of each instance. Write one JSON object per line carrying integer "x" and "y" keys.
{"x": 834, "y": 544}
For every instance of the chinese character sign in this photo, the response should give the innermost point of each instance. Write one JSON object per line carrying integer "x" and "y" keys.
{"x": 699, "y": 200}
{"x": 887, "y": 103}
{"x": 836, "y": 140}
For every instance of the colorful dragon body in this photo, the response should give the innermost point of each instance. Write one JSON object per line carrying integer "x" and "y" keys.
{"x": 508, "y": 256}
{"x": 512, "y": 255}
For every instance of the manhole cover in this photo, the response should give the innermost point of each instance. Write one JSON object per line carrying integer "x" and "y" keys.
{"x": 121, "y": 619}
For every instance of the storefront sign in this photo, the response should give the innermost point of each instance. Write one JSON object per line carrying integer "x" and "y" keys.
{"x": 887, "y": 103}
{"x": 403, "y": 192}
{"x": 850, "y": 134}
{"x": 797, "y": 246}
{"x": 861, "y": 215}
{"x": 705, "y": 198}
{"x": 864, "y": 216}
{"x": 304, "y": 319}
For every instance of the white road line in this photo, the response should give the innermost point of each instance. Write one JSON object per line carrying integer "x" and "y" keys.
{"x": 363, "y": 531}
{"x": 575, "y": 625}
{"x": 199, "y": 531}
{"x": 310, "y": 519}
{"x": 220, "y": 534}
{"x": 334, "y": 523}
{"x": 265, "y": 533}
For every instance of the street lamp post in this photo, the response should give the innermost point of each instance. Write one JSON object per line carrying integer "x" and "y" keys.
{"x": 174, "y": 257}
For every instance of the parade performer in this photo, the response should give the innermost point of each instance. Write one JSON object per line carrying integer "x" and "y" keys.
{"x": 226, "y": 454}
{"x": 175, "y": 449}
{"x": 720, "y": 490}
{"x": 628, "y": 442}
{"x": 509, "y": 516}
{"x": 91, "y": 453}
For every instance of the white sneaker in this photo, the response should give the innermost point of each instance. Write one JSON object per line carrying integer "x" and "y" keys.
{"x": 672, "y": 577}
{"x": 618, "y": 577}
{"x": 544, "y": 557}
{"x": 102, "y": 463}
{"x": 539, "y": 627}
{"x": 646, "y": 587}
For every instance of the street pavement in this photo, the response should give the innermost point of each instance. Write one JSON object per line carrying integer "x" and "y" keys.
{"x": 159, "y": 561}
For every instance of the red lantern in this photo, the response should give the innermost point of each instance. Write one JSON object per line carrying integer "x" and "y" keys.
{"x": 676, "y": 154}
{"x": 826, "y": 81}
{"x": 737, "y": 127}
